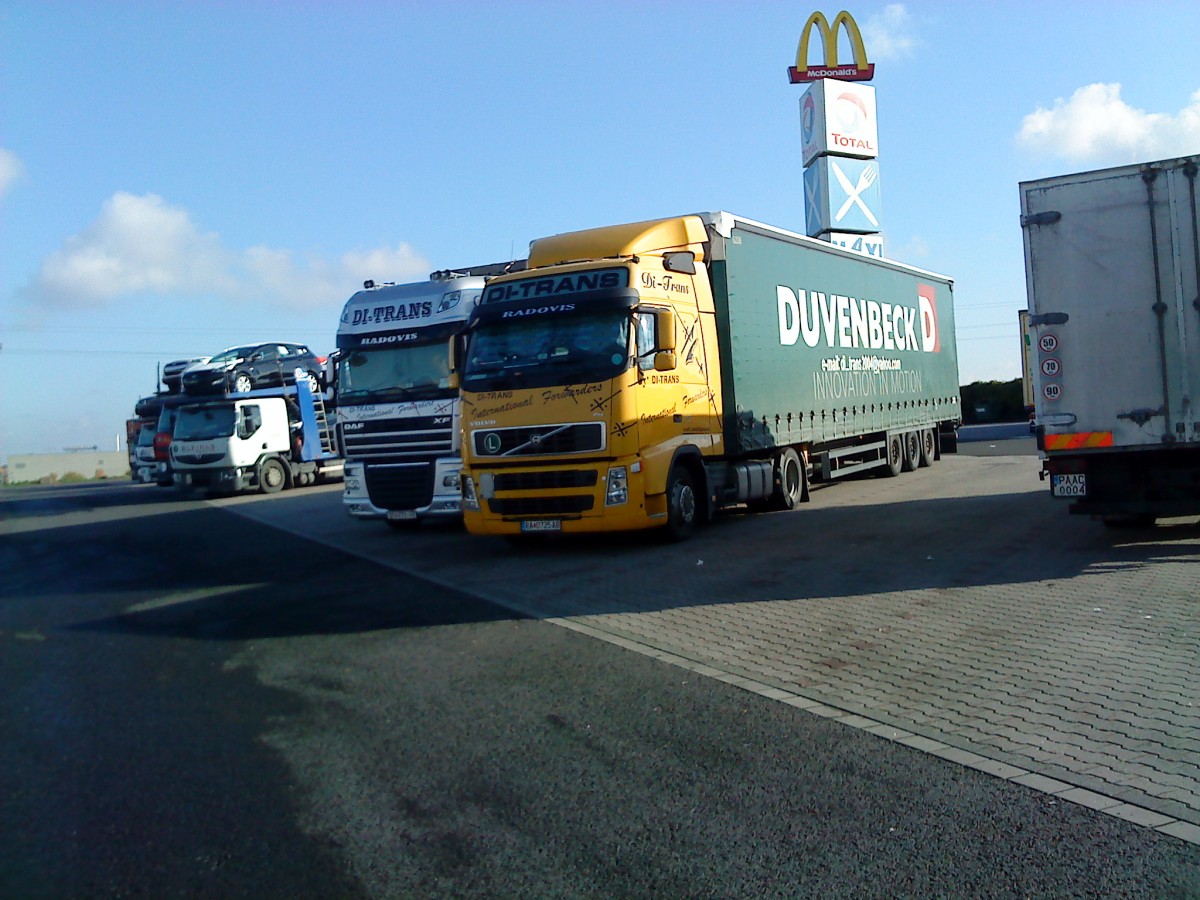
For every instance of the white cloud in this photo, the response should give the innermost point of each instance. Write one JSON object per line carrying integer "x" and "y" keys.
{"x": 889, "y": 35}
{"x": 142, "y": 245}
{"x": 1096, "y": 125}
{"x": 10, "y": 170}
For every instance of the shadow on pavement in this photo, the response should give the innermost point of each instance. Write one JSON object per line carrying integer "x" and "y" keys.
{"x": 205, "y": 574}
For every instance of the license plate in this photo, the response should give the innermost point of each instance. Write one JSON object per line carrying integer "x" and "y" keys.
{"x": 401, "y": 515}
{"x": 1068, "y": 485}
{"x": 541, "y": 525}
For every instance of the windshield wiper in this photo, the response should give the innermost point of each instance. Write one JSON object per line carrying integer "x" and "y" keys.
{"x": 375, "y": 395}
{"x": 425, "y": 391}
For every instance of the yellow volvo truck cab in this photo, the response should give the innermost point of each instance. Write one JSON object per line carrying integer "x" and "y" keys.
{"x": 586, "y": 385}
{"x": 644, "y": 375}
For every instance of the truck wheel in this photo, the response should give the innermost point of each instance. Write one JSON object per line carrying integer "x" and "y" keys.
{"x": 895, "y": 457}
{"x": 681, "y": 505}
{"x": 928, "y": 447}
{"x": 242, "y": 383}
{"x": 271, "y": 476}
{"x": 792, "y": 487}
{"x": 912, "y": 452}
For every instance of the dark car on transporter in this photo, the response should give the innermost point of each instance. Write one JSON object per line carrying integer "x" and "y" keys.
{"x": 254, "y": 366}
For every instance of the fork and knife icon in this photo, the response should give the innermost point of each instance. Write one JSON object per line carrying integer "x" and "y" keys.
{"x": 866, "y": 178}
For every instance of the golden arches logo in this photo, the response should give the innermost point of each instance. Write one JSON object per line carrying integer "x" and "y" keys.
{"x": 861, "y": 70}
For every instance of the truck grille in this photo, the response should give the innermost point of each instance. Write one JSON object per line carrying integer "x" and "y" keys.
{"x": 389, "y": 440}
{"x": 533, "y": 481}
{"x": 539, "y": 440}
{"x": 199, "y": 459}
{"x": 541, "y": 506}
{"x": 407, "y": 486}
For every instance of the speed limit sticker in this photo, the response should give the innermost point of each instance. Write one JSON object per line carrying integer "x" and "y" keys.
{"x": 1050, "y": 366}
{"x": 1048, "y": 343}
{"x": 1052, "y": 391}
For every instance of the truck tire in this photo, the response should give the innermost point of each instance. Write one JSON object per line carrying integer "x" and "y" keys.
{"x": 928, "y": 447}
{"x": 912, "y": 452}
{"x": 681, "y": 505}
{"x": 272, "y": 477}
{"x": 894, "y": 446}
{"x": 791, "y": 481}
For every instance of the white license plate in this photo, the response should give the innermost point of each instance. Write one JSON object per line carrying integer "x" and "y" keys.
{"x": 541, "y": 525}
{"x": 1068, "y": 485}
{"x": 401, "y": 515}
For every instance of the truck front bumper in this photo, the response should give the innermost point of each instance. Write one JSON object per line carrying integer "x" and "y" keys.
{"x": 561, "y": 498}
{"x": 225, "y": 481}
{"x": 445, "y": 502}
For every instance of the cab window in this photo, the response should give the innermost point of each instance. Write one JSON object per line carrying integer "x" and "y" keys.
{"x": 646, "y": 336}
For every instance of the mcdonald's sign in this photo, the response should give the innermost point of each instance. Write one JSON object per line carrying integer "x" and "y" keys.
{"x": 861, "y": 70}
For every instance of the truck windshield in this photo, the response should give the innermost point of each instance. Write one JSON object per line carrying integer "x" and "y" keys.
{"x": 548, "y": 350}
{"x": 197, "y": 423}
{"x": 395, "y": 373}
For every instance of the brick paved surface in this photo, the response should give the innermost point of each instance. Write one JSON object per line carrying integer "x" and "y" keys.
{"x": 958, "y": 609}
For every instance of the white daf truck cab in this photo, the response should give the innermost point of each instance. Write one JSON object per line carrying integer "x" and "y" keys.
{"x": 397, "y": 394}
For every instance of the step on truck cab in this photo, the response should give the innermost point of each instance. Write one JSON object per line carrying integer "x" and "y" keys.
{"x": 264, "y": 440}
{"x": 645, "y": 375}
{"x": 397, "y": 394}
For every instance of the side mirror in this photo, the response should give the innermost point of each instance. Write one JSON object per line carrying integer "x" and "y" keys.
{"x": 452, "y": 381}
{"x": 664, "y": 361}
{"x": 664, "y": 322}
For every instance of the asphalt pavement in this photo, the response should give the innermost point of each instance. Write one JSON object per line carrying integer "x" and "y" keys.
{"x": 201, "y": 705}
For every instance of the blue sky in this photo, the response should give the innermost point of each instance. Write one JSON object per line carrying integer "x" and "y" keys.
{"x": 179, "y": 177}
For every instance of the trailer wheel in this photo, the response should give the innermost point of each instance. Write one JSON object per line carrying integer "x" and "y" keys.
{"x": 791, "y": 488}
{"x": 895, "y": 457}
{"x": 271, "y": 476}
{"x": 681, "y": 505}
{"x": 912, "y": 452}
{"x": 928, "y": 447}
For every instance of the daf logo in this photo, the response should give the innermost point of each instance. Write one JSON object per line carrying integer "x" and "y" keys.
{"x": 491, "y": 442}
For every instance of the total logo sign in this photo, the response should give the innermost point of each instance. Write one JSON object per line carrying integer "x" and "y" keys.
{"x": 838, "y": 117}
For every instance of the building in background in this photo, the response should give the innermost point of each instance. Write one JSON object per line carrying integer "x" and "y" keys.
{"x": 34, "y": 468}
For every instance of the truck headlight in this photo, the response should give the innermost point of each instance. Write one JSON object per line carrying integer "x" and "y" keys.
{"x": 617, "y": 489}
{"x": 450, "y": 480}
{"x": 351, "y": 485}
{"x": 470, "y": 501}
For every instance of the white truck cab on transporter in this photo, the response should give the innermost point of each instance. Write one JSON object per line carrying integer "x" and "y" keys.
{"x": 397, "y": 394}
{"x": 264, "y": 440}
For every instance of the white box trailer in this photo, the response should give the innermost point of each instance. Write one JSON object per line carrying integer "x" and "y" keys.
{"x": 1114, "y": 306}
